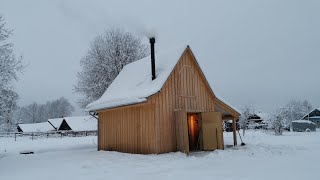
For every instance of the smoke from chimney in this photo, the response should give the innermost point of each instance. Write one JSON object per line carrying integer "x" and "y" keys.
{"x": 153, "y": 64}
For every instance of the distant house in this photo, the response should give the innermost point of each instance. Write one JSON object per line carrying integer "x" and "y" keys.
{"x": 258, "y": 121}
{"x": 303, "y": 125}
{"x": 81, "y": 123}
{"x": 56, "y": 122}
{"x": 76, "y": 123}
{"x": 168, "y": 107}
{"x": 35, "y": 127}
{"x": 228, "y": 125}
{"x": 254, "y": 118}
{"x": 313, "y": 116}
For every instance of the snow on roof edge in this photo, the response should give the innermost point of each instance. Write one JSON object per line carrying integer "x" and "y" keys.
{"x": 102, "y": 107}
{"x": 304, "y": 121}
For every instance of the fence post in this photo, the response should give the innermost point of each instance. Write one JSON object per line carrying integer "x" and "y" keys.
{"x": 15, "y": 136}
{"x": 86, "y": 133}
{"x": 32, "y": 136}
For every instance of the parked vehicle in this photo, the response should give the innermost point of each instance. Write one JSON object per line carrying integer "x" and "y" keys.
{"x": 303, "y": 126}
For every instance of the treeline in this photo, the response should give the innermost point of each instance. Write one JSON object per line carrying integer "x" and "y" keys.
{"x": 35, "y": 113}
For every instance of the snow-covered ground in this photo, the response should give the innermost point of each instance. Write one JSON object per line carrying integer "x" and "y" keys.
{"x": 291, "y": 156}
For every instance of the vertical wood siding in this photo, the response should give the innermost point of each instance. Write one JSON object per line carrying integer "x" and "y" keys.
{"x": 151, "y": 128}
{"x": 185, "y": 90}
{"x": 181, "y": 127}
{"x": 128, "y": 129}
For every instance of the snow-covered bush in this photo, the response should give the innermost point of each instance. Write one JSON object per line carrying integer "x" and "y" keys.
{"x": 282, "y": 118}
{"x": 246, "y": 112}
{"x": 279, "y": 120}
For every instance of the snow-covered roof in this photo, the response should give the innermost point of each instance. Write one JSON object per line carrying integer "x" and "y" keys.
{"x": 82, "y": 123}
{"x": 264, "y": 116}
{"x": 310, "y": 112}
{"x": 133, "y": 84}
{"x": 303, "y": 121}
{"x": 56, "y": 122}
{"x": 36, "y": 127}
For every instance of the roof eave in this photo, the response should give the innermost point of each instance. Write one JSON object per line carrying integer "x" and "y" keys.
{"x": 114, "y": 107}
{"x": 234, "y": 112}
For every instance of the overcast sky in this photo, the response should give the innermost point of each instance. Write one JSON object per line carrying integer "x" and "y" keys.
{"x": 262, "y": 53}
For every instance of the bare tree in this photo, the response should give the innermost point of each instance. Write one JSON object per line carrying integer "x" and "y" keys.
{"x": 59, "y": 108}
{"x": 107, "y": 55}
{"x": 31, "y": 113}
{"x": 9, "y": 67}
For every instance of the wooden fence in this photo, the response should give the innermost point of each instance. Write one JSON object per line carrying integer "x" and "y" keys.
{"x": 48, "y": 134}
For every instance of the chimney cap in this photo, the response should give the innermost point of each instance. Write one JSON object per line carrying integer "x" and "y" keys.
{"x": 152, "y": 40}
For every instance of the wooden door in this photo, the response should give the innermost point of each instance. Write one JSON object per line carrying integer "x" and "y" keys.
{"x": 181, "y": 120}
{"x": 212, "y": 137}
{"x": 218, "y": 122}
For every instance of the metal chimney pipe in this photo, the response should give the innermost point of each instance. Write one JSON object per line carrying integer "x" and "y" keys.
{"x": 153, "y": 64}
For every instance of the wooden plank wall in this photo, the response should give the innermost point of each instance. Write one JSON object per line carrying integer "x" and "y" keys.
{"x": 102, "y": 142}
{"x": 184, "y": 90}
{"x": 128, "y": 129}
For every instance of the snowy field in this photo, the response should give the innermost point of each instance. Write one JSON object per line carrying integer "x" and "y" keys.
{"x": 291, "y": 156}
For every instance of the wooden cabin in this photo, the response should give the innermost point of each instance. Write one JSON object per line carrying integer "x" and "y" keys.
{"x": 75, "y": 123}
{"x": 176, "y": 110}
{"x": 35, "y": 127}
{"x": 55, "y": 122}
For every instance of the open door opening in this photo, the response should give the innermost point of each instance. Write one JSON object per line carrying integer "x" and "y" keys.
{"x": 194, "y": 131}
{"x": 199, "y": 131}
